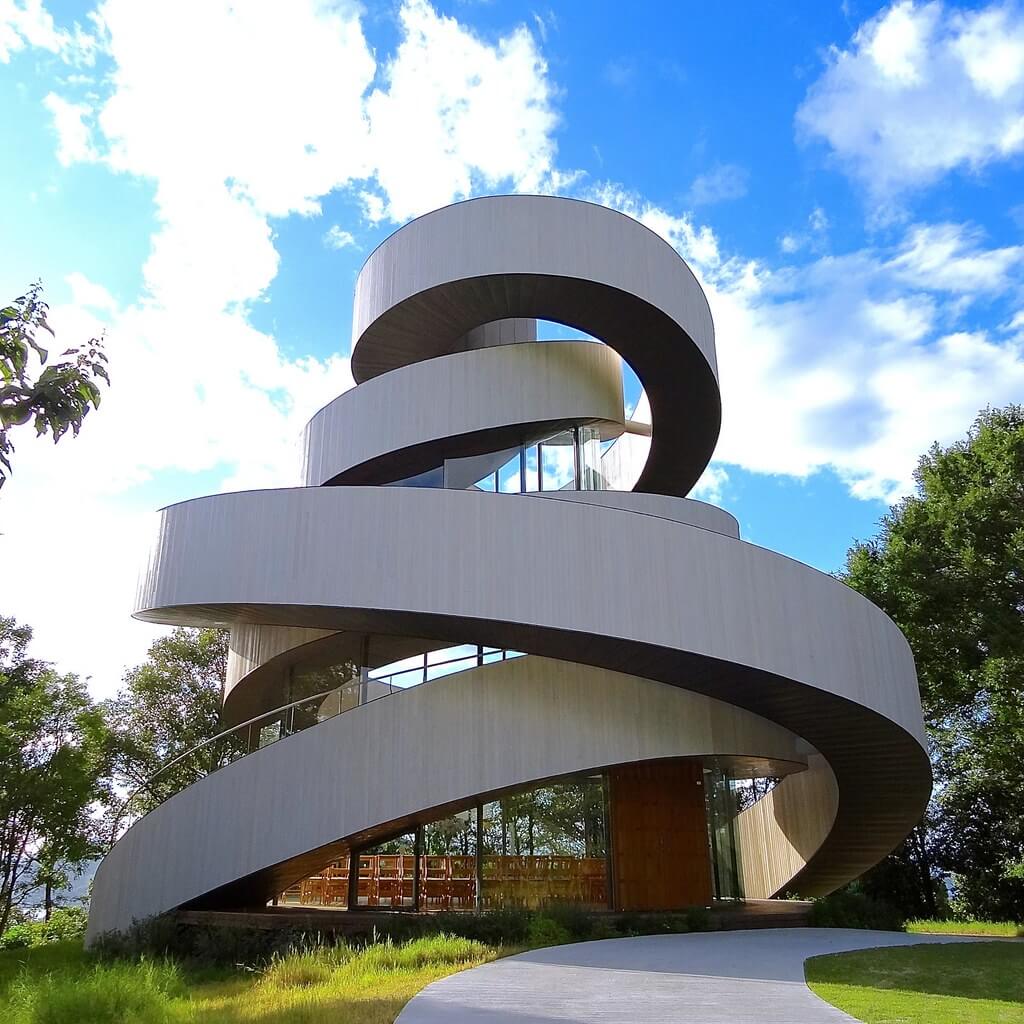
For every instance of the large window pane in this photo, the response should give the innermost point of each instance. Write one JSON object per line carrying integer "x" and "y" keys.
{"x": 532, "y": 467}
{"x": 546, "y": 846}
{"x": 590, "y": 459}
{"x": 509, "y": 475}
{"x": 327, "y": 888}
{"x": 476, "y": 471}
{"x": 558, "y": 462}
{"x": 722, "y": 807}
{"x": 448, "y": 866}
{"x": 386, "y": 873}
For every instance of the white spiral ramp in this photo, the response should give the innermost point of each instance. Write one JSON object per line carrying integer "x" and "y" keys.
{"x": 652, "y": 630}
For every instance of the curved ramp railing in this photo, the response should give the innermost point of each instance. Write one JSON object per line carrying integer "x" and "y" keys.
{"x": 238, "y": 741}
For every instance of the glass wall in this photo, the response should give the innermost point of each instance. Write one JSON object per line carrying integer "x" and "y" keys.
{"x": 386, "y": 873}
{"x": 327, "y": 888}
{"x": 722, "y": 808}
{"x": 545, "y": 846}
{"x": 566, "y": 460}
{"x": 540, "y": 847}
{"x": 448, "y": 870}
{"x": 548, "y": 845}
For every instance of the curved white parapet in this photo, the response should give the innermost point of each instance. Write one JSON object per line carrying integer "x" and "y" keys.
{"x": 599, "y": 586}
{"x": 492, "y": 729}
{"x": 651, "y": 630}
{"x": 661, "y": 506}
{"x": 579, "y": 264}
{"x": 406, "y": 422}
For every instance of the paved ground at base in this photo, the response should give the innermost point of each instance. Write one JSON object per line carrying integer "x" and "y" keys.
{"x": 754, "y": 977}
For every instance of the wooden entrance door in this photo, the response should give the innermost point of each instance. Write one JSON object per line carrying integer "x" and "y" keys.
{"x": 660, "y": 858}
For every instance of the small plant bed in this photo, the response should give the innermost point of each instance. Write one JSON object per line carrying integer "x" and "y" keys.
{"x": 996, "y": 929}
{"x": 969, "y": 983}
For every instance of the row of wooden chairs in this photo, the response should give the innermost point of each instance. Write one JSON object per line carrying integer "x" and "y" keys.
{"x": 449, "y": 882}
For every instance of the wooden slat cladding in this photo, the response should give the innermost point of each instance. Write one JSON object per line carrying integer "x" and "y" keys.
{"x": 660, "y": 858}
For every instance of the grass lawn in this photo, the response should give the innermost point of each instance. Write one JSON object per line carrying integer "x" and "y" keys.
{"x": 968, "y": 983}
{"x": 59, "y": 984}
{"x": 1003, "y": 929}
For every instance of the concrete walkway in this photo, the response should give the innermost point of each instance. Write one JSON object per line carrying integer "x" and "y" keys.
{"x": 704, "y": 978}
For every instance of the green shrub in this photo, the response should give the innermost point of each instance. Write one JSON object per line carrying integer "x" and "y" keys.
{"x": 65, "y": 923}
{"x": 632, "y": 924}
{"x": 495, "y": 928}
{"x": 850, "y": 908}
{"x": 545, "y": 931}
{"x": 105, "y": 994}
{"x": 602, "y": 928}
{"x": 577, "y": 922}
{"x": 203, "y": 945}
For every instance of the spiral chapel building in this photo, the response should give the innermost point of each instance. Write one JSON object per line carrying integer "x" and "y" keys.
{"x": 490, "y": 654}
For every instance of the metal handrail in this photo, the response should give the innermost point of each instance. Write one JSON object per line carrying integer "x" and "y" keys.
{"x": 279, "y": 712}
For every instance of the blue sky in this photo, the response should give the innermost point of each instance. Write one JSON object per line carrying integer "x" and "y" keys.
{"x": 204, "y": 180}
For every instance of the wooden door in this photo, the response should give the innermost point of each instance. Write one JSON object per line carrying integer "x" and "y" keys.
{"x": 660, "y": 857}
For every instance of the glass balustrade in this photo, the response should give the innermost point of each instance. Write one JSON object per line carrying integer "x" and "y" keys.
{"x": 322, "y": 693}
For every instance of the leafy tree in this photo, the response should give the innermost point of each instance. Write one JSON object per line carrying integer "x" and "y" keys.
{"x": 55, "y": 754}
{"x": 62, "y": 394}
{"x": 168, "y": 705}
{"x": 948, "y": 566}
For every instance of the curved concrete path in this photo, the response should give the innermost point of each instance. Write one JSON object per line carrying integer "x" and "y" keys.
{"x": 704, "y": 978}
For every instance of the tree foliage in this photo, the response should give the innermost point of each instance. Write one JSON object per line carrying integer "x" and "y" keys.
{"x": 948, "y": 566}
{"x": 60, "y": 397}
{"x": 168, "y": 705}
{"x": 55, "y": 754}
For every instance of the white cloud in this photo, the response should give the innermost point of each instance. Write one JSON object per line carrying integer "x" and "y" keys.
{"x": 457, "y": 115}
{"x": 27, "y": 24}
{"x": 951, "y": 257}
{"x": 813, "y": 238}
{"x": 856, "y": 362}
{"x": 711, "y": 485}
{"x": 90, "y": 295}
{"x": 337, "y": 237}
{"x": 694, "y": 243}
{"x": 74, "y": 142}
{"x": 227, "y": 146}
{"x": 922, "y": 90}
{"x": 848, "y": 362}
{"x": 723, "y": 182}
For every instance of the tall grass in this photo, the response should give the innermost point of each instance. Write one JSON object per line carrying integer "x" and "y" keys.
{"x": 102, "y": 994}
{"x": 999, "y": 929}
{"x": 314, "y": 985}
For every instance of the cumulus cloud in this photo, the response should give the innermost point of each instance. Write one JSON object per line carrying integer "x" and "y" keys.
{"x": 27, "y": 24}
{"x": 336, "y": 237}
{"x": 456, "y": 115}
{"x": 855, "y": 363}
{"x": 74, "y": 136}
{"x": 813, "y": 238}
{"x": 952, "y": 257}
{"x": 723, "y": 182}
{"x": 228, "y": 147}
{"x": 921, "y": 90}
